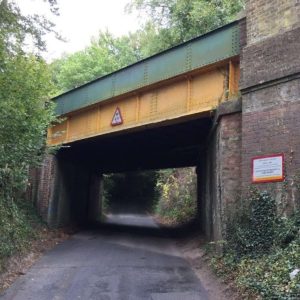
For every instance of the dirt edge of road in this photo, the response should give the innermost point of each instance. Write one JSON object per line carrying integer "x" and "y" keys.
{"x": 193, "y": 251}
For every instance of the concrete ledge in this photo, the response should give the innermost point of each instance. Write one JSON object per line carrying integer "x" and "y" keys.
{"x": 270, "y": 83}
{"x": 228, "y": 108}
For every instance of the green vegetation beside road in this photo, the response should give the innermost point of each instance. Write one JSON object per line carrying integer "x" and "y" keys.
{"x": 25, "y": 88}
{"x": 262, "y": 250}
{"x": 19, "y": 225}
{"x": 177, "y": 200}
{"x": 171, "y": 194}
{"x": 130, "y": 192}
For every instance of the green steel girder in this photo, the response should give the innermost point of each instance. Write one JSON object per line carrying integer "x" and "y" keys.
{"x": 204, "y": 50}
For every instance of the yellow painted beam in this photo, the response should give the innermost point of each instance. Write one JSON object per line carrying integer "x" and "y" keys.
{"x": 234, "y": 77}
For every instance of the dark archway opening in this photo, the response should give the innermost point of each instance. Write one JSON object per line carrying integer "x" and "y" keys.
{"x": 132, "y": 192}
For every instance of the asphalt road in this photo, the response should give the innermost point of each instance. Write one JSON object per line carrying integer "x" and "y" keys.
{"x": 114, "y": 262}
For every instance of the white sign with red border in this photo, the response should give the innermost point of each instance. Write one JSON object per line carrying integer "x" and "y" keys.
{"x": 117, "y": 118}
{"x": 268, "y": 168}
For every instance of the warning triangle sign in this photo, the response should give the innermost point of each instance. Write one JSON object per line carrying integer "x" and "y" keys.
{"x": 117, "y": 118}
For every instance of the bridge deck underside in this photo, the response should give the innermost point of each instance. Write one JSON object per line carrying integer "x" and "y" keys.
{"x": 177, "y": 145}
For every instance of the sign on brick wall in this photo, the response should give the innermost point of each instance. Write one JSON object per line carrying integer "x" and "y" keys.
{"x": 268, "y": 168}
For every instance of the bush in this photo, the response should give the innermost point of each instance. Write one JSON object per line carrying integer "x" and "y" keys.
{"x": 264, "y": 277}
{"x": 16, "y": 228}
{"x": 252, "y": 231}
{"x": 261, "y": 250}
{"x": 130, "y": 192}
{"x": 287, "y": 229}
{"x": 171, "y": 194}
{"x": 178, "y": 195}
{"x": 269, "y": 276}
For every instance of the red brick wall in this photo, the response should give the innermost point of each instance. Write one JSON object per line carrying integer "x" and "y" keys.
{"x": 45, "y": 180}
{"x": 221, "y": 180}
{"x": 64, "y": 191}
{"x": 230, "y": 157}
{"x": 273, "y": 58}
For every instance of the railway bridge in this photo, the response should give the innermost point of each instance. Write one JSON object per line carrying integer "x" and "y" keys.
{"x": 186, "y": 106}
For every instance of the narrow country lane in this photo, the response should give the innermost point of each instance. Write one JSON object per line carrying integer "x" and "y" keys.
{"x": 115, "y": 262}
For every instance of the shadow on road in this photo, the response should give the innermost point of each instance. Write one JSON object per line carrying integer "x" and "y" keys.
{"x": 143, "y": 225}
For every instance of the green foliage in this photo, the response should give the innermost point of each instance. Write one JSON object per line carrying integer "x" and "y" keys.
{"x": 261, "y": 250}
{"x": 24, "y": 119}
{"x": 287, "y": 230}
{"x": 170, "y": 193}
{"x": 104, "y": 55}
{"x": 171, "y": 22}
{"x": 180, "y": 20}
{"x": 151, "y": 40}
{"x": 266, "y": 276}
{"x": 177, "y": 188}
{"x": 15, "y": 28}
{"x": 252, "y": 230}
{"x": 17, "y": 227}
{"x": 130, "y": 192}
{"x": 269, "y": 276}
{"x": 25, "y": 87}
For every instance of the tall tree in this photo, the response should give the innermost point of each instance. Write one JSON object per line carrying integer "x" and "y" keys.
{"x": 25, "y": 87}
{"x": 16, "y": 27}
{"x": 179, "y": 20}
{"x": 104, "y": 55}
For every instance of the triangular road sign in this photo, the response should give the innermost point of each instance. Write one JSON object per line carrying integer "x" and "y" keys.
{"x": 117, "y": 118}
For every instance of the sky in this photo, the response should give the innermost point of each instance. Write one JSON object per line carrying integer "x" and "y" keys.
{"x": 80, "y": 20}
